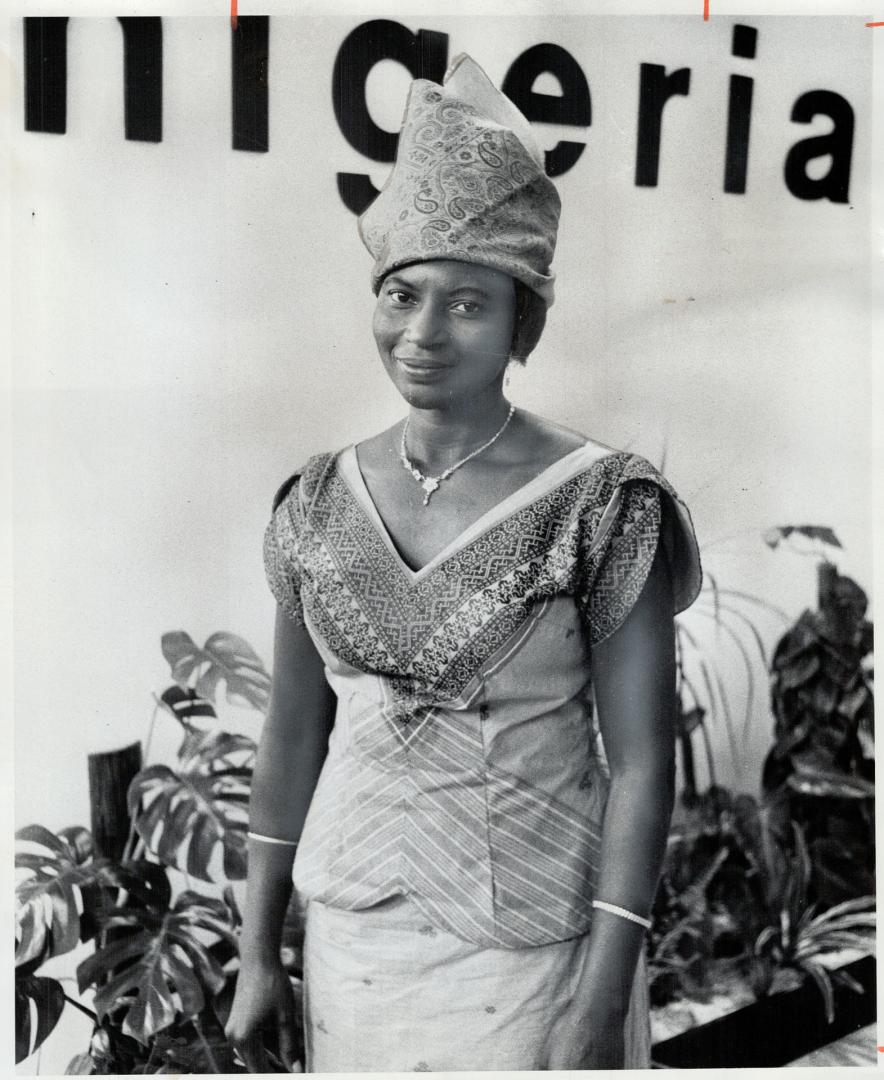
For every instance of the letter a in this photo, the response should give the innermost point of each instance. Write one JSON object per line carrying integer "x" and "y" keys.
{"x": 838, "y": 143}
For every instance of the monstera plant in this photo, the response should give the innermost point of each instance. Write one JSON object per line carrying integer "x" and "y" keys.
{"x": 158, "y": 984}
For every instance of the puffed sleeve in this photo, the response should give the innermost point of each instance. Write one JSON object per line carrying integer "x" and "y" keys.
{"x": 619, "y": 542}
{"x": 280, "y": 543}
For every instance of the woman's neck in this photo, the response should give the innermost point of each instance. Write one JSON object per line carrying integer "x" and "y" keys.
{"x": 439, "y": 437}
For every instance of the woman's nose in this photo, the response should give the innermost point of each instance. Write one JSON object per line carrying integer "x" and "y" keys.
{"x": 426, "y": 326}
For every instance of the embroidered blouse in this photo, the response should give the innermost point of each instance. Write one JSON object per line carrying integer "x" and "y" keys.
{"x": 465, "y": 768}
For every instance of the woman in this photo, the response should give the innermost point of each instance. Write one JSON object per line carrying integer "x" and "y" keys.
{"x": 474, "y": 666}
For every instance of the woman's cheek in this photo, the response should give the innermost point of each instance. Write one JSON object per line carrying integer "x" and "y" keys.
{"x": 384, "y": 333}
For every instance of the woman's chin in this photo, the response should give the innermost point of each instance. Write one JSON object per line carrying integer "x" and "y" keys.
{"x": 425, "y": 397}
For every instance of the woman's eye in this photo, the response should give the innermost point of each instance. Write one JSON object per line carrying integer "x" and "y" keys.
{"x": 399, "y": 296}
{"x": 468, "y": 307}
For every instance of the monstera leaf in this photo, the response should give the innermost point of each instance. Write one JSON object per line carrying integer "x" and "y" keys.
{"x": 183, "y": 815}
{"x": 163, "y": 970}
{"x": 810, "y": 779}
{"x": 63, "y": 891}
{"x": 47, "y": 917}
{"x": 822, "y": 533}
{"x": 188, "y": 708}
{"x": 224, "y": 658}
{"x": 60, "y": 890}
{"x": 48, "y": 997}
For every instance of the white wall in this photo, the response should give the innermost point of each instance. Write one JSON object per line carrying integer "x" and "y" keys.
{"x": 191, "y": 322}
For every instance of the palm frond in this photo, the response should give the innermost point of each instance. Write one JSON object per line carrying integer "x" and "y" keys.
{"x": 821, "y": 977}
{"x": 765, "y": 604}
{"x": 747, "y": 664}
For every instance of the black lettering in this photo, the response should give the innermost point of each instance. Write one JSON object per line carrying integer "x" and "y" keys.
{"x": 424, "y": 54}
{"x": 655, "y": 89}
{"x": 739, "y": 114}
{"x": 143, "y": 77}
{"x": 573, "y": 107}
{"x": 249, "y": 63}
{"x": 838, "y": 143}
{"x": 46, "y": 75}
{"x": 744, "y": 41}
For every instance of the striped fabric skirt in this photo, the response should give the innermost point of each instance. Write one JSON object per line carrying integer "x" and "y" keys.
{"x": 384, "y": 991}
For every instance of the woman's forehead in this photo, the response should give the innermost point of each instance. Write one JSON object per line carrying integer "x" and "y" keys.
{"x": 452, "y": 274}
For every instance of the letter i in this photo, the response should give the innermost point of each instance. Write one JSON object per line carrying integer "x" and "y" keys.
{"x": 739, "y": 111}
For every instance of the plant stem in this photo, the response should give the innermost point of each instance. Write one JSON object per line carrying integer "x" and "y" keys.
{"x": 687, "y": 761}
{"x": 130, "y": 839}
{"x": 82, "y": 1008}
{"x": 207, "y": 1050}
{"x": 739, "y": 594}
{"x": 710, "y": 763}
{"x": 149, "y": 1062}
{"x": 153, "y": 717}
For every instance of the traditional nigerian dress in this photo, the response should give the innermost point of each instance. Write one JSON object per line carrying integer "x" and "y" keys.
{"x": 466, "y": 771}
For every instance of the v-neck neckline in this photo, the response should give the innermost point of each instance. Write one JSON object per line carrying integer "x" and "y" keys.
{"x": 555, "y": 473}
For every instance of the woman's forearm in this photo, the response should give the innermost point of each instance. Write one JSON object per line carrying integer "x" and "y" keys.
{"x": 634, "y": 678}
{"x": 634, "y": 837}
{"x": 287, "y": 768}
{"x": 293, "y": 747}
{"x": 283, "y": 782}
{"x": 268, "y": 890}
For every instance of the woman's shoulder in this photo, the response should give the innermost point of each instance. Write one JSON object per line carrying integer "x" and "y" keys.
{"x": 554, "y": 441}
{"x": 305, "y": 481}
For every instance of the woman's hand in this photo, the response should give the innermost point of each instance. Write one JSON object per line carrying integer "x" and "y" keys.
{"x": 264, "y": 1005}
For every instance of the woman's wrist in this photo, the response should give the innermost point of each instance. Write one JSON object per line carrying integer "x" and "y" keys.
{"x": 260, "y": 950}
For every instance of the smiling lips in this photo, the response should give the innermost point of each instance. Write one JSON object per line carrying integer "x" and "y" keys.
{"x": 421, "y": 368}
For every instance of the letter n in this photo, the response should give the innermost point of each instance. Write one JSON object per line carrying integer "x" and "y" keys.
{"x": 46, "y": 75}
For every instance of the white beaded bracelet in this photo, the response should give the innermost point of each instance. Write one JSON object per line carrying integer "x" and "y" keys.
{"x": 272, "y": 839}
{"x": 623, "y": 913}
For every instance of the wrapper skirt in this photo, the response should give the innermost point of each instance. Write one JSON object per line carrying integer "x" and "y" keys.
{"x": 384, "y": 990}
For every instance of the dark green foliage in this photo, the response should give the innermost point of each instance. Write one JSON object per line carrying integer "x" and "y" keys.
{"x": 761, "y": 890}
{"x": 48, "y": 997}
{"x": 820, "y": 770}
{"x": 183, "y": 814}
{"x": 163, "y": 969}
{"x": 224, "y": 658}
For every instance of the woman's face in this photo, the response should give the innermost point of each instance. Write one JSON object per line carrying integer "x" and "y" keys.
{"x": 444, "y": 331}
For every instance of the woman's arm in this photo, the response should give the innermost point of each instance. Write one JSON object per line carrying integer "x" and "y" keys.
{"x": 290, "y": 756}
{"x": 633, "y": 673}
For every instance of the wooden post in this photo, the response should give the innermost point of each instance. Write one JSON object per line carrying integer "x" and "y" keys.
{"x": 109, "y": 777}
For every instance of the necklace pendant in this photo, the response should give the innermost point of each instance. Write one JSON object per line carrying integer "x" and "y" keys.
{"x": 431, "y": 483}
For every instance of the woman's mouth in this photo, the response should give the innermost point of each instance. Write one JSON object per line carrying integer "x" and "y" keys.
{"x": 422, "y": 370}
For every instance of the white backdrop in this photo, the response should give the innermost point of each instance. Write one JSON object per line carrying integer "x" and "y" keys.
{"x": 191, "y": 322}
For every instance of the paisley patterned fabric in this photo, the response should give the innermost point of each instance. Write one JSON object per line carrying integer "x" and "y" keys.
{"x": 465, "y": 768}
{"x": 468, "y": 184}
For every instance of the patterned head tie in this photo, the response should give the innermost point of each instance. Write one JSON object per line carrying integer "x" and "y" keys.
{"x": 468, "y": 184}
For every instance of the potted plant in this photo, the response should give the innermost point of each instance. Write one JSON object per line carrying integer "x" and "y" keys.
{"x": 162, "y": 916}
{"x": 756, "y": 896}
